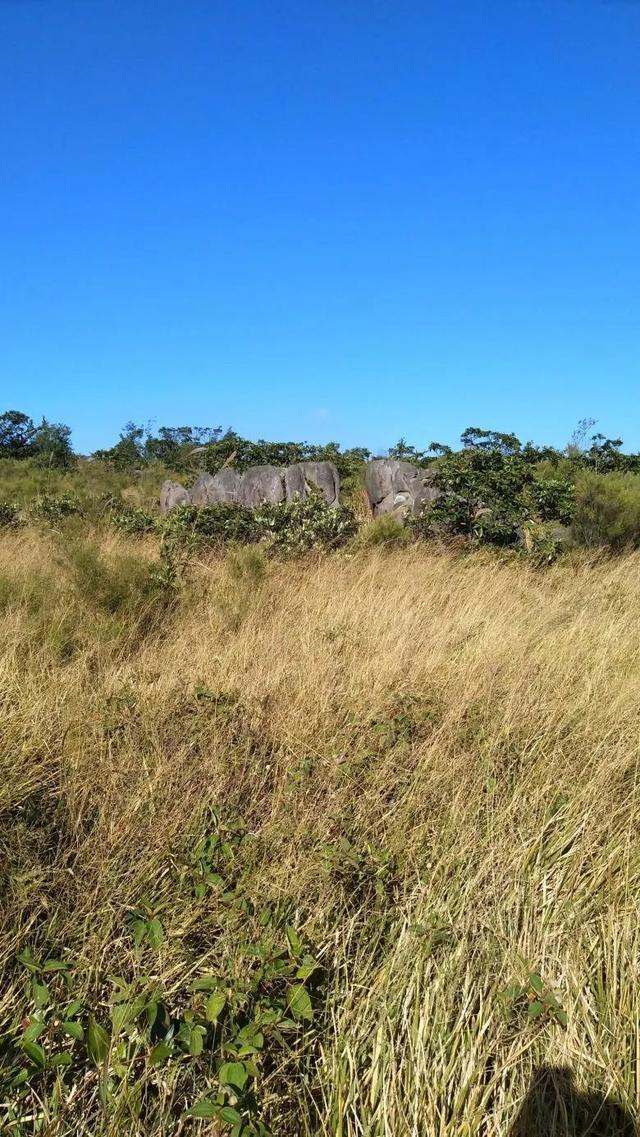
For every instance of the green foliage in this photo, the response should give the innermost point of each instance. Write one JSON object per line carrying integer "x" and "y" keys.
{"x": 607, "y": 510}
{"x": 9, "y": 514}
{"x": 135, "y": 522}
{"x": 533, "y": 1001}
{"x": 213, "y": 1035}
{"x": 302, "y": 525}
{"x": 550, "y": 499}
{"x": 48, "y": 444}
{"x": 54, "y": 509}
{"x": 491, "y": 494}
{"x": 211, "y": 524}
{"x": 51, "y": 445}
{"x": 290, "y": 527}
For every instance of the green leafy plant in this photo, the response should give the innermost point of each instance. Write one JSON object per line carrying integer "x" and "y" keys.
{"x": 9, "y": 514}
{"x": 534, "y": 999}
{"x": 53, "y": 509}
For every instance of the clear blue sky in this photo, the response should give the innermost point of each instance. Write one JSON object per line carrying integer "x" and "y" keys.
{"x": 348, "y": 219}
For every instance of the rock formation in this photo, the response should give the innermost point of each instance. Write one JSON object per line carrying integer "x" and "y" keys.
{"x": 258, "y": 484}
{"x": 398, "y": 487}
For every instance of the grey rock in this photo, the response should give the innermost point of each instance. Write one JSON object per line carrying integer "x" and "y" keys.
{"x": 221, "y": 487}
{"x": 227, "y": 486}
{"x": 261, "y": 484}
{"x": 299, "y": 479}
{"x": 201, "y": 489}
{"x": 398, "y": 487}
{"x": 172, "y": 494}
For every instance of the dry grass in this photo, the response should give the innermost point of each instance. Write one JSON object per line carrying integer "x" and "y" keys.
{"x": 470, "y": 726}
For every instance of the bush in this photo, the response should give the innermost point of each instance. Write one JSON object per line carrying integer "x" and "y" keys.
{"x": 211, "y": 524}
{"x": 134, "y": 522}
{"x": 9, "y": 514}
{"x": 607, "y": 510}
{"x": 301, "y": 525}
{"x": 551, "y": 499}
{"x": 294, "y": 526}
{"x": 49, "y": 508}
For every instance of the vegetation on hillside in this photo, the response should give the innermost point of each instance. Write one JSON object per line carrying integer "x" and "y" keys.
{"x": 492, "y": 490}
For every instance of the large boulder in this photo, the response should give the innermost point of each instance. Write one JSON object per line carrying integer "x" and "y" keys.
{"x": 260, "y": 484}
{"x": 323, "y": 476}
{"x": 172, "y": 494}
{"x": 398, "y": 487}
{"x": 199, "y": 492}
{"x": 213, "y": 489}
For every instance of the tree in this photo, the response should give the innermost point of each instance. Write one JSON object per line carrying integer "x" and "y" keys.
{"x": 16, "y": 434}
{"x": 474, "y": 438}
{"x": 128, "y": 451}
{"x": 51, "y": 444}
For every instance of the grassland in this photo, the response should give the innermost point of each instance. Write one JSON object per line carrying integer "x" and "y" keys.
{"x": 420, "y": 770}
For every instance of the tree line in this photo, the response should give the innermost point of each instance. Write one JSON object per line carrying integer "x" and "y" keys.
{"x": 182, "y": 448}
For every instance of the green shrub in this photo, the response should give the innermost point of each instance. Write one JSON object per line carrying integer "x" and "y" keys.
{"x": 211, "y": 524}
{"x": 292, "y": 527}
{"x": 607, "y": 510}
{"x": 9, "y": 514}
{"x": 551, "y": 499}
{"x": 301, "y": 525}
{"x": 52, "y": 509}
{"x": 135, "y": 522}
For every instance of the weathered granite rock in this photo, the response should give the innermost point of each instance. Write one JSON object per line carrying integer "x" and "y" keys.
{"x": 172, "y": 494}
{"x": 261, "y": 484}
{"x": 257, "y": 485}
{"x": 213, "y": 489}
{"x": 201, "y": 490}
{"x": 226, "y": 486}
{"x": 398, "y": 487}
{"x": 298, "y": 480}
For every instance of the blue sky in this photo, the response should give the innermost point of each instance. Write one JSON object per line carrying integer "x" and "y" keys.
{"x": 348, "y": 219}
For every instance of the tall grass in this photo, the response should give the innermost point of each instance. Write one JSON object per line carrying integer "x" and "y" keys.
{"x": 436, "y": 764}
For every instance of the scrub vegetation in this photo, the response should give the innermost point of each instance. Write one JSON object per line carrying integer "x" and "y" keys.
{"x": 332, "y": 836}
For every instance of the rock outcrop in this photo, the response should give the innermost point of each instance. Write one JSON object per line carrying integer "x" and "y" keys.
{"x": 258, "y": 485}
{"x": 172, "y": 494}
{"x": 398, "y": 487}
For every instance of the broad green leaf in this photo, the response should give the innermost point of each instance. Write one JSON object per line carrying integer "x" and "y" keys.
{"x": 35, "y": 1053}
{"x": 27, "y": 960}
{"x": 307, "y": 967}
{"x": 97, "y": 1042}
{"x": 233, "y": 1074}
{"x": 159, "y": 1054}
{"x": 196, "y": 1041}
{"x": 61, "y": 1059}
{"x": 203, "y": 1108}
{"x": 155, "y": 933}
{"x": 295, "y": 942}
{"x": 39, "y": 993}
{"x": 214, "y": 1006}
{"x": 535, "y": 982}
{"x": 562, "y": 1017}
{"x": 205, "y": 983}
{"x": 73, "y": 1009}
{"x": 33, "y": 1031}
{"x": 56, "y": 965}
{"x": 73, "y": 1029}
{"x": 300, "y": 1003}
{"x": 230, "y": 1115}
{"x": 535, "y": 1010}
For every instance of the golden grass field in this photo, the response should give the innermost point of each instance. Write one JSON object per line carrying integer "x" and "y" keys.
{"x": 436, "y": 760}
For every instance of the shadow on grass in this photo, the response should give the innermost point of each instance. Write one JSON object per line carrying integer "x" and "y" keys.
{"x": 554, "y": 1107}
